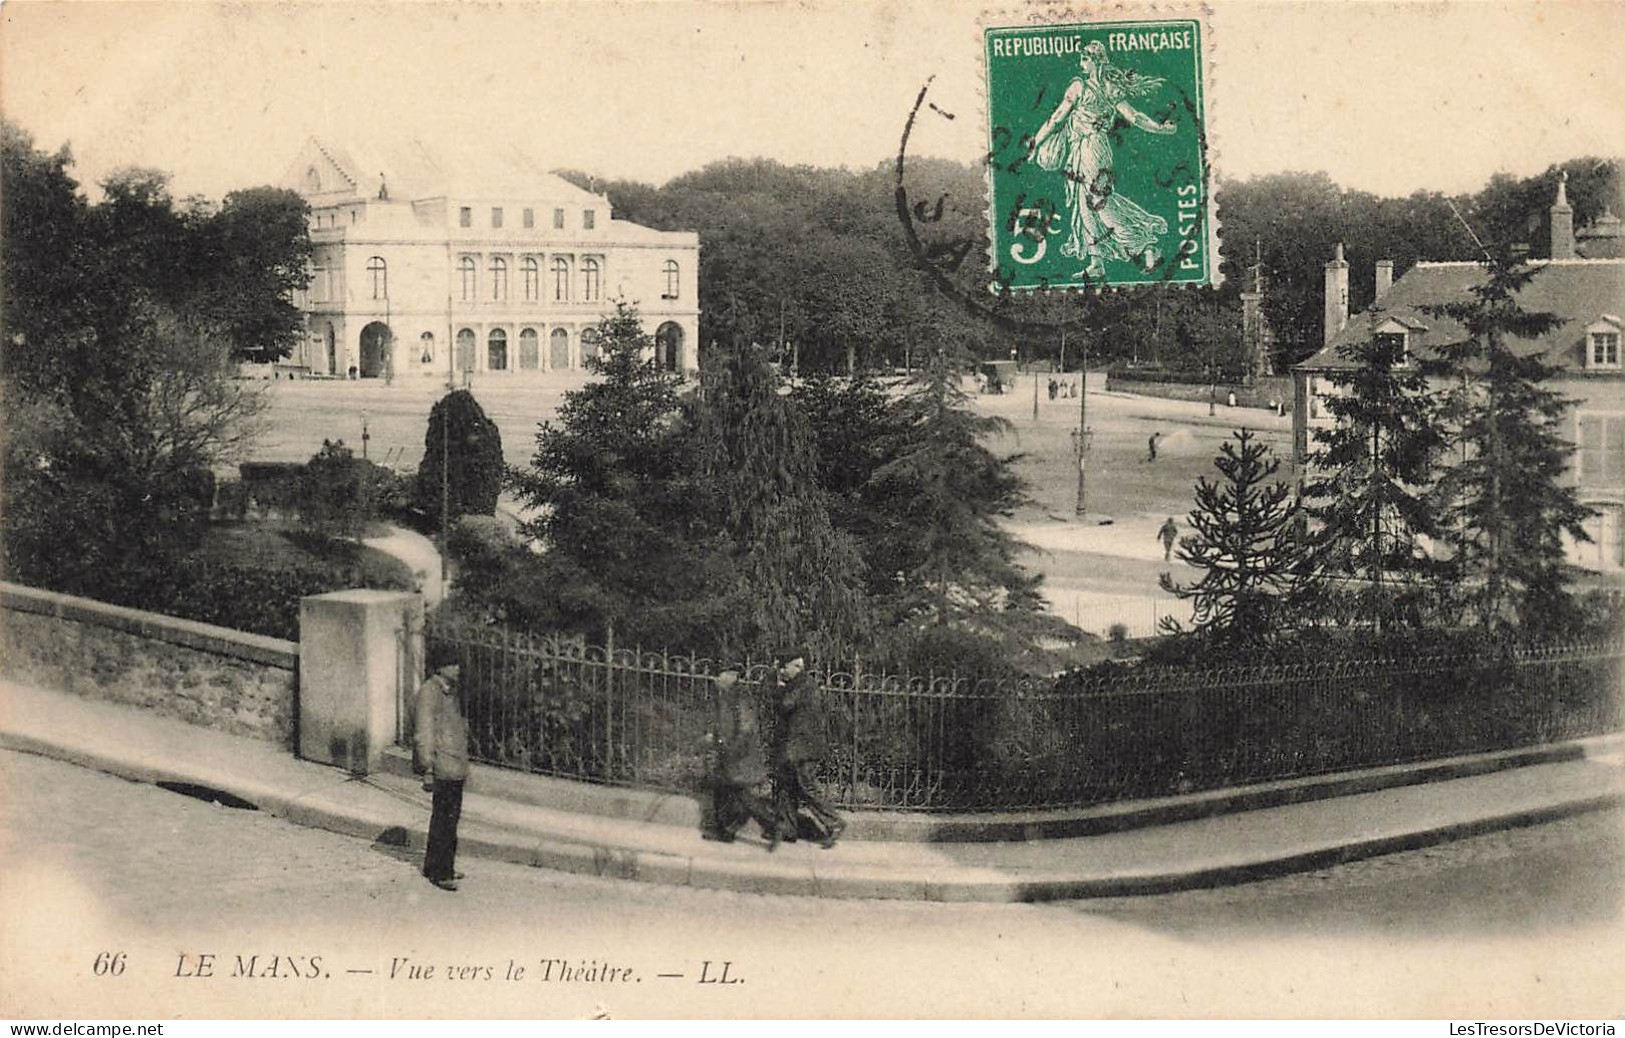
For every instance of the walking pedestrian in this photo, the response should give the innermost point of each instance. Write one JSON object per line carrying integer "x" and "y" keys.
{"x": 799, "y": 746}
{"x": 440, "y": 750}
{"x": 738, "y": 769}
{"x": 1168, "y": 534}
{"x": 1052, "y": 389}
{"x": 1151, "y": 448}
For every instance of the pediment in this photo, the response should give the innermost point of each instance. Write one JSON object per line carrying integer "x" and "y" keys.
{"x": 317, "y": 176}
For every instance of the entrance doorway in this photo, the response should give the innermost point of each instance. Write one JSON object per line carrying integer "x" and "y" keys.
{"x": 376, "y": 343}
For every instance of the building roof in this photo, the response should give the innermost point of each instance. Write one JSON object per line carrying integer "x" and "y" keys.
{"x": 1579, "y": 291}
{"x": 413, "y": 170}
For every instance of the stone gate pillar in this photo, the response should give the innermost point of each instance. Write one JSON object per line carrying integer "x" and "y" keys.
{"x": 360, "y": 656}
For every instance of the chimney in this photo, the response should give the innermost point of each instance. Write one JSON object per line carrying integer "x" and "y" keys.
{"x": 1385, "y": 278}
{"x": 1337, "y": 295}
{"x": 1562, "y": 221}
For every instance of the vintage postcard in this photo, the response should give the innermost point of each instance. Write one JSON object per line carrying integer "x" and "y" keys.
{"x": 839, "y": 509}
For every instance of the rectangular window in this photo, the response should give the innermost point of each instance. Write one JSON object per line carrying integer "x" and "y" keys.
{"x": 465, "y": 217}
{"x": 558, "y": 219}
{"x": 588, "y": 219}
{"x": 496, "y": 216}
{"x": 530, "y": 218}
{"x": 1602, "y": 450}
{"x": 1605, "y": 349}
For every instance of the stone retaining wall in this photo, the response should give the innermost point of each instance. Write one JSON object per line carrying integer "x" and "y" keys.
{"x": 210, "y": 676}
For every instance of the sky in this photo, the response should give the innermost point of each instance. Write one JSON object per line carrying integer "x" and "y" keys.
{"x": 1389, "y": 98}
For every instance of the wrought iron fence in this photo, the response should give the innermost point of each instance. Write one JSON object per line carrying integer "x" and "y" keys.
{"x": 556, "y": 706}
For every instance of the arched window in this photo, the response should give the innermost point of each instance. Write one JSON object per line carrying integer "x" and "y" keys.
{"x": 589, "y": 344}
{"x": 671, "y": 280}
{"x": 313, "y": 181}
{"x": 561, "y": 279}
{"x": 558, "y": 350}
{"x": 378, "y": 274}
{"x": 499, "y": 278}
{"x": 465, "y": 349}
{"x": 466, "y": 268}
{"x": 529, "y": 350}
{"x": 426, "y": 340}
{"x": 533, "y": 277}
{"x": 496, "y": 350}
{"x": 591, "y": 279}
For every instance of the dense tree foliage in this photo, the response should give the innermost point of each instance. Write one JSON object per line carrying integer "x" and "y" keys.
{"x": 123, "y": 320}
{"x": 1508, "y": 500}
{"x": 1369, "y": 494}
{"x": 462, "y": 460}
{"x": 818, "y": 258}
{"x": 619, "y": 501}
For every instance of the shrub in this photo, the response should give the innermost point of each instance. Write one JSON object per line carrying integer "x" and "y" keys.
{"x": 470, "y": 445}
{"x": 337, "y": 492}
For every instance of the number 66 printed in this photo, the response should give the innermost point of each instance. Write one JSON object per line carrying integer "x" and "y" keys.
{"x": 1037, "y": 223}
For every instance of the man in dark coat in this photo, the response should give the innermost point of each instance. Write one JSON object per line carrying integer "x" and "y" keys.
{"x": 737, "y": 765}
{"x": 799, "y": 747}
{"x": 440, "y": 749}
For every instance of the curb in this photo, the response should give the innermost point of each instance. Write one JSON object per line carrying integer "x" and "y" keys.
{"x": 936, "y": 883}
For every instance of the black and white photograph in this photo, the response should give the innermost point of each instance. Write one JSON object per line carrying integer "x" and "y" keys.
{"x": 842, "y": 509}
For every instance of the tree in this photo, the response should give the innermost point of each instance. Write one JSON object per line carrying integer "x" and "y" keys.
{"x": 119, "y": 395}
{"x": 1369, "y": 497}
{"x": 620, "y": 506}
{"x": 1246, "y": 544}
{"x": 938, "y": 498}
{"x": 1507, "y": 501}
{"x": 799, "y": 578}
{"x": 470, "y": 446}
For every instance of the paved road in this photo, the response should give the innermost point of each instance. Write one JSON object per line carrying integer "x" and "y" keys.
{"x": 1525, "y": 923}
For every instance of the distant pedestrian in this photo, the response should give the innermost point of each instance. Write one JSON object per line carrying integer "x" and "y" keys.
{"x": 1151, "y": 447}
{"x": 1168, "y": 534}
{"x": 1053, "y": 387}
{"x": 440, "y": 750}
{"x": 799, "y": 746}
{"x": 737, "y": 768}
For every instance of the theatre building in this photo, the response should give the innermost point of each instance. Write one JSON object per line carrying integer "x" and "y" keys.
{"x": 430, "y": 266}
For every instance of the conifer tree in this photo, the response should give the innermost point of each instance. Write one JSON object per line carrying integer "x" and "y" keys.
{"x": 798, "y": 579}
{"x": 1506, "y": 500}
{"x": 1369, "y": 497}
{"x": 619, "y": 505}
{"x": 943, "y": 494}
{"x": 466, "y": 446}
{"x": 1246, "y": 544}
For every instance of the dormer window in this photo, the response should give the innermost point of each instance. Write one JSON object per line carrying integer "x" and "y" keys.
{"x": 1397, "y": 336}
{"x": 1602, "y": 344}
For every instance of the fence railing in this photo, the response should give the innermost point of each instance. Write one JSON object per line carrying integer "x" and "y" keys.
{"x": 556, "y": 706}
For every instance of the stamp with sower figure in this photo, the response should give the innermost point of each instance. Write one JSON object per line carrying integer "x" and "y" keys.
{"x": 1098, "y": 171}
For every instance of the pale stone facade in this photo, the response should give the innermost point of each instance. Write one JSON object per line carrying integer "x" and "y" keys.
{"x": 425, "y": 270}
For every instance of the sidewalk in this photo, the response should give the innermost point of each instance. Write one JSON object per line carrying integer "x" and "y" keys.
{"x": 1210, "y": 851}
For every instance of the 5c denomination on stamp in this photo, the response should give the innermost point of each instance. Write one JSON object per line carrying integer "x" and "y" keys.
{"x": 1098, "y": 163}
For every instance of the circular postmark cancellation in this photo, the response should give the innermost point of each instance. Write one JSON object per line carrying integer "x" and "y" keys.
{"x": 1097, "y": 161}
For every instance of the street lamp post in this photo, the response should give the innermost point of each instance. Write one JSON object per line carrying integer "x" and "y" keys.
{"x": 1081, "y": 436}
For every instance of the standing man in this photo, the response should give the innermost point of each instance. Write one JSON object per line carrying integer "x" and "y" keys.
{"x": 1168, "y": 534}
{"x": 440, "y": 749}
{"x": 1151, "y": 447}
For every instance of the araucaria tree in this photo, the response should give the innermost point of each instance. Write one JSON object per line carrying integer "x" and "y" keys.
{"x": 1506, "y": 502}
{"x": 1368, "y": 500}
{"x": 462, "y": 460}
{"x": 1246, "y": 545}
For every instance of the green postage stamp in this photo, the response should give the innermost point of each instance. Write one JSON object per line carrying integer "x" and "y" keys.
{"x": 1098, "y": 171}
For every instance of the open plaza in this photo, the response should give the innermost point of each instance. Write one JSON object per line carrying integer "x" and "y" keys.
{"x": 1099, "y": 570}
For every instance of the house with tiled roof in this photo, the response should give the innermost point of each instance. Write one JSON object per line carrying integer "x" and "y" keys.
{"x": 1587, "y": 293}
{"x": 454, "y": 266}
